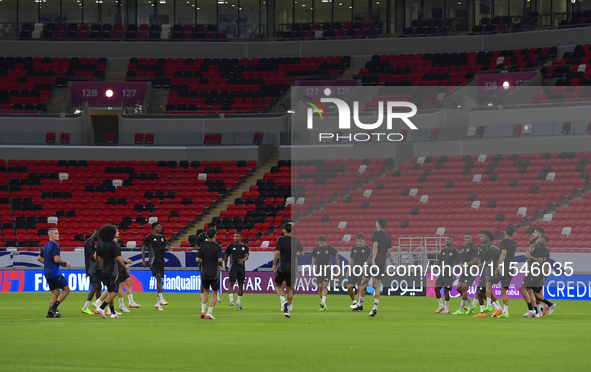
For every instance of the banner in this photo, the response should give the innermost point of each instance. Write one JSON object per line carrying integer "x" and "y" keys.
{"x": 394, "y": 285}
{"x": 76, "y": 259}
{"x": 264, "y": 282}
{"x": 574, "y": 287}
{"x": 142, "y": 281}
{"x": 512, "y": 292}
{"x": 493, "y": 83}
{"x": 108, "y": 93}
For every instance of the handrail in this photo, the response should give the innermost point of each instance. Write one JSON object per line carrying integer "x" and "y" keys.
{"x": 532, "y": 22}
{"x": 254, "y": 32}
{"x": 373, "y": 29}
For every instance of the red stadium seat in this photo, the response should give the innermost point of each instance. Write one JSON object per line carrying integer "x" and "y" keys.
{"x": 50, "y": 138}
{"x": 149, "y": 139}
{"x": 258, "y": 138}
{"x": 138, "y": 138}
{"x": 111, "y": 138}
{"x": 65, "y": 138}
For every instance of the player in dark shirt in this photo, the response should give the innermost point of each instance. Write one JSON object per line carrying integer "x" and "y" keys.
{"x": 202, "y": 238}
{"x": 51, "y": 260}
{"x": 321, "y": 259}
{"x": 489, "y": 258}
{"x": 533, "y": 283}
{"x": 359, "y": 256}
{"x": 210, "y": 258}
{"x": 109, "y": 257}
{"x": 285, "y": 266}
{"x": 505, "y": 270}
{"x": 239, "y": 253}
{"x": 470, "y": 256}
{"x": 90, "y": 266}
{"x": 125, "y": 278}
{"x": 381, "y": 245}
{"x": 157, "y": 246}
{"x": 448, "y": 258}
{"x": 549, "y": 307}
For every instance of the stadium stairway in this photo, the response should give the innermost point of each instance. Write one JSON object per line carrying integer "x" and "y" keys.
{"x": 222, "y": 205}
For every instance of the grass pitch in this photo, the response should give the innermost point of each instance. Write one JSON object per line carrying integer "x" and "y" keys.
{"x": 406, "y": 335}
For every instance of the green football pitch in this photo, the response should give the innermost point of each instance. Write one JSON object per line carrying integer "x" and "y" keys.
{"x": 405, "y": 335}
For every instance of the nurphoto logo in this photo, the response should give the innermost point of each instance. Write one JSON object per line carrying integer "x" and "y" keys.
{"x": 393, "y": 110}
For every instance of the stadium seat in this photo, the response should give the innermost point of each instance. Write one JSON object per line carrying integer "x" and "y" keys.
{"x": 149, "y": 139}
{"x": 50, "y": 138}
{"x": 435, "y": 134}
{"x": 110, "y": 138}
{"x": 138, "y": 138}
{"x": 258, "y": 138}
{"x": 65, "y": 138}
{"x": 517, "y": 129}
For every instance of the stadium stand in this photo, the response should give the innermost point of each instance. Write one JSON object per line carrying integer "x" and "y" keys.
{"x": 448, "y": 69}
{"x": 26, "y": 82}
{"x": 229, "y": 85}
{"x": 451, "y": 195}
{"x": 78, "y": 196}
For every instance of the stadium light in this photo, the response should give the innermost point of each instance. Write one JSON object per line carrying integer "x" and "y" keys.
{"x": 109, "y": 93}
{"x": 506, "y": 85}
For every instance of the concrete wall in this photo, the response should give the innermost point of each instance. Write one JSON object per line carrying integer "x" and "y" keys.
{"x": 133, "y": 153}
{"x": 502, "y": 146}
{"x": 298, "y": 48}
{"x": 15, "y": 129}
{"x": 400, "y": 152}
{"x": 183, "y": 131}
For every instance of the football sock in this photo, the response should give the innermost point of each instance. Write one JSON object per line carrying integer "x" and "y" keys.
{"x": 529, "y": 307}
{"x": 440, "y": 302}
{"x": 160, "y": 297}
{"x": 547, "y": 302}
{"x": 323, "y": 300}
{"x": 495, "y": 306}
{"x": 112, "y": 310}
{"x": 231, "y": 296}
{"x": 488, "y": 301}
{"x": 481, "y": 308}
{"x": 130, "y": 298}
{"x": 539, "y": 308}
{"x": 354, "y": 302}
{"x": 239, "y": 300}
{"x": 121, "y": 304}
{"x": 462, "y": 304}
{"x": 506, "y": 310}
{"x": 360, "y": 303}
{"x": 86, "y": 305}
{"x": 55, "y": 305}
{"x": 470, "y": 302}
{"x": 210, "y": 310}
{"x": 375, "y": 304}
{"x": 97, "y": 303}
{"x": 447, "y": 305}
{"x": 498, "y": 304}
{"x": 282, "y": 298}
{"x": 104, "y": 305}
{"x": 536, "y": 309}
{"x": 203, "y": 306}
{"x": 290, "y": 307}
